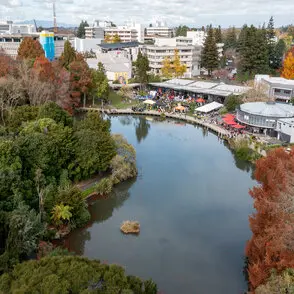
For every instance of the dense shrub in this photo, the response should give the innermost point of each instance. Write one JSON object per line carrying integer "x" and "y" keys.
{"x": 232, "y": 102}
{"x": 104, "y": 186}
{"x": 72, "y": 274}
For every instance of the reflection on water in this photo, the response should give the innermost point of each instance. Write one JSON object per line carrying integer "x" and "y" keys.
{"x": 191, "y": 199}
{"x": 142, "y": 128}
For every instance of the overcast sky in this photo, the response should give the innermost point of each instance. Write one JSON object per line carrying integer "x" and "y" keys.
{"x": 190, "y": 12}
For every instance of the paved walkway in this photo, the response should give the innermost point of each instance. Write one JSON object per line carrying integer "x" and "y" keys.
{"x": 213, "y": 127}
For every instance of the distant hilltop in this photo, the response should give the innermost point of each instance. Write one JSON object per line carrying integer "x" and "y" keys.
{"x": 46, "y": 23}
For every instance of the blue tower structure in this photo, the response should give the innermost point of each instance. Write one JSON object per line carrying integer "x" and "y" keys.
{"x": 47, "y": 42}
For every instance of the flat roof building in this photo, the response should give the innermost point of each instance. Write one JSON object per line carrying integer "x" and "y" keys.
{"x": 117, "y": 67}
{"x": 264, "y": 115}
{"x": 276, "y": 88}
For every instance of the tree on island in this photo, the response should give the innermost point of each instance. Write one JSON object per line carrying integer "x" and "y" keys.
{"x": 81, "y": 29}
{"x": 209, "y": 55}
{"x": 29, "y": 49}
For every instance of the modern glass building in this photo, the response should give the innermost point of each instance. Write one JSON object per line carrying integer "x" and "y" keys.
{"x": 47, "y": 42}
{"x": 263, "y": 115}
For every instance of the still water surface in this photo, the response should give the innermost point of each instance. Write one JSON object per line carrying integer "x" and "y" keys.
{"x": 191, "y": 199}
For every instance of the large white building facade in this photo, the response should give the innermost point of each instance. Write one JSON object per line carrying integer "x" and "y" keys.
{"x": 163, "y": 48}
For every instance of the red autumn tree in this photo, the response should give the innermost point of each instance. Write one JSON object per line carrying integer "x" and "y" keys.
{"x": 80, "y": 78}
{"x": 272, "y": 242}
{"x": 7, "y": 64}
{"x": 44, "y": 69}
{"x": 29, "y": 49}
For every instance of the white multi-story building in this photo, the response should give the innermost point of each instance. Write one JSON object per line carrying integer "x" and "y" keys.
{"x": 9, "y": 28}
{"x": 85, "y": 45}
{"x": 94, "y": 32}
{"x": 131, "y": 32}
{"x": 160, "y": 29}
{"x": 198, "y": 37}
{"x": 163, "y": 48}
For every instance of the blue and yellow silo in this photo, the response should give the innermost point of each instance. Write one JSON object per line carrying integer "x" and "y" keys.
{"x": 47, "y": 42}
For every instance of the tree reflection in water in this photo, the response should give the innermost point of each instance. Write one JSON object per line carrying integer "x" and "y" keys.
{"x": 142, "y": 128}
{"x": 100, "y": 210}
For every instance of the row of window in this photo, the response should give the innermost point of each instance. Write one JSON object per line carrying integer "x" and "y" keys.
{"x": 281, "y": 91}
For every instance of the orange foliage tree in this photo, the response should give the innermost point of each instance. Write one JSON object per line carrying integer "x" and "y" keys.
{"x": 80, "y": 79}
{"x": 272, "y": 242}
{"x": 288, "y": 65}
{"x": 43, "y": 67}
{"x": 29, "y": 49}
{"x": 7, "y": 64}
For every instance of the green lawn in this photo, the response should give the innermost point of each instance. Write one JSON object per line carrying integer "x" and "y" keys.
{"x": 118, "y": 102}
{"x": 89, "y": 191}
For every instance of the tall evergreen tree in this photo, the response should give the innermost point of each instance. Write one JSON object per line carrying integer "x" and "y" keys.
{"x": 231, "y": 39}
{"x": 68, "y": 55}
{"x": 142, "y": 68}
{"x": 81, "y": 29}
{"x": 279, "y": 52}
{"x": 270, "y": 35}
{"x": 209, "y": 55}
{"x": 253, "y": 51}
{"x": 218, "y": 35}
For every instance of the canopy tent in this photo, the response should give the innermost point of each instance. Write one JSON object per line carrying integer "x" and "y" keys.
{"x": 230, "y": 122}
{"x": 200, "y": 100}
{"x": 237, "y": 126}
{"x": 148, "y": 101}
{"x": 229, "y": 119}
{"x": 209, "y": 107}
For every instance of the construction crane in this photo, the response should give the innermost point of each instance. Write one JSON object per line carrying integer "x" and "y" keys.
{"x": 54, "y": 18}
{"x": 36, "y": 25}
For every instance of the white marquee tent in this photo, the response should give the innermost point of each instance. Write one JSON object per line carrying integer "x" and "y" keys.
{"x": 209, "y": 107}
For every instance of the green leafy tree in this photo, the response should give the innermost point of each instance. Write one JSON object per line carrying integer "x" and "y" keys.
{"x": 100, "y": 85}
{"x": 141, "y": 69}
{"x": 232, "y": 102}
{"x": 52, "y": 110}
{"x": 68, "y": 55}
{"x": 181, "y": 31}
{"x": 209, "y": 55}
{"x": 25, "y": 230}
{"x": 72, "y": 274}
{"x": 81, "y": 29}
{"x": 20, "y": 115}
{"x": 94, "y": 147}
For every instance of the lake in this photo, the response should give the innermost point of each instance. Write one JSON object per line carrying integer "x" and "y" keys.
{"x": 191, "y": 199}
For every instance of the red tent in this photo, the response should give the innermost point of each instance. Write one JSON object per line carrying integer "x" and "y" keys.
{"x": 229, "y": 121}
{"x": 237, "y": 126}
{"x": 200, "y": 100}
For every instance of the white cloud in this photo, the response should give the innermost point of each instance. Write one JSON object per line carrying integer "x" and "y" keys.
{"x": 174, "y": 12}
